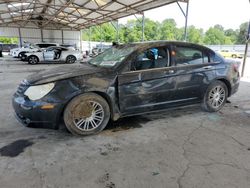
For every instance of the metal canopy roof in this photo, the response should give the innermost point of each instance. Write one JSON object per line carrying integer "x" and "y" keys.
{"x": 70, "y": 14}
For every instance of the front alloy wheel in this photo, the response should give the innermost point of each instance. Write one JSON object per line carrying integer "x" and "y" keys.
{"x": 86, "y": 114}
{"x": 91, "y": 118}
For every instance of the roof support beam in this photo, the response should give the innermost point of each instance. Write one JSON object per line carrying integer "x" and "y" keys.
{"x": 142, "y": 21}
{"x": 72, "y": 14}
{"x": 20, "y": 37}
{"x": 246, "y": 50}
{"x": 116, "y": 27}
{"x": 143, "y": 26}
{"x": 185, "y": 14}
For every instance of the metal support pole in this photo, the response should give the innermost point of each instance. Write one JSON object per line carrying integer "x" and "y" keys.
{"x": 62, "y": 37}
{"x": 185, "y": 14}
{"x": 117, "y": 31}
{"x": 186, "y": 21}
{"x": 246, "y": 50}
{"x": 80, "y": 38}
{"x": 143, "y": 26}
{"x": 20, "y": 37}
{"x": 101, "y": 37}
{"x": 89, "y": 33}
{"x": 42, "y": 35}
{"x": 244, "y": 59}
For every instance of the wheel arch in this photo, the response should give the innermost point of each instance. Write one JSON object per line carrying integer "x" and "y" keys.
{"x": 227, "y": 83}
{"x": 34, "y": 56}
{"x": 70, "y": 55}
{"x": 104, "y": 95}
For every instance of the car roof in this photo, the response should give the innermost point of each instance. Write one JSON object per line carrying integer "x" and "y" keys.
{"x": 139, "y": 45}
{"x": 58, "y": 47}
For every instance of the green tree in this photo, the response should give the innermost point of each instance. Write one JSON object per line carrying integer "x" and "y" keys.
{"x": 168, "y": 30}
{"x": 214, "y": 35}
{"x": 7, "y": 40}
{"x": 195, "y": 35}
{"x": 232, "y": 34}
{"x": 241, "y": 38}
{"x": 105, "y": 32}
{"x": 219, "y": 27}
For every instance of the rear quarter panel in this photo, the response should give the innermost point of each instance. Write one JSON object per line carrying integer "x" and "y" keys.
{"x": 225, "y": 72}
{"x": 65, "y": 54}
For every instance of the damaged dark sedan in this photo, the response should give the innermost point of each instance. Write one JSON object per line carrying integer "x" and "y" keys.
{"x": 126, "y": 80}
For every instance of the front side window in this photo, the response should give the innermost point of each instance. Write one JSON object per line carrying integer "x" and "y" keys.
{"x": 112, "y": 56}
{"x": 50, "y": 49}
{"x": 157, "y": 57}
{"x": 189, "y": 56}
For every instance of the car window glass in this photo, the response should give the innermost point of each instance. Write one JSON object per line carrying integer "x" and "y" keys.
{"x": 152, "y": 58}
{"x": 189, "y": 56}
{"x": 49, "y": 49}
{"x": 112, "y": 56}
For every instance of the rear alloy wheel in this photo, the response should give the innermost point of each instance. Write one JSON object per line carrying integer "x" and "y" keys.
{"x": 215, "y": 96}
{"x": 86, "y": 114}
{"x": 33, "y": 60}
{"x": 234, "y": 56}
{"x": 70, "y": 59}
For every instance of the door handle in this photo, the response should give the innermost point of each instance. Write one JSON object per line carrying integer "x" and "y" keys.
{"x": 207, "y": 67}
{"x": 171, "y": 71}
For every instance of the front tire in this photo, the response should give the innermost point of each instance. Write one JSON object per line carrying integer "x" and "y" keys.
{"x": 86, "y": 114}
{"x": 215, "y": 96}
{"x": 71, "y": 59}
{"x": 33, "y": 60}
{"x": 21, "y": 54}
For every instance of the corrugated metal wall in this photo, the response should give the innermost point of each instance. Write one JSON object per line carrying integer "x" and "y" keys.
{"x": 38, "y": 35}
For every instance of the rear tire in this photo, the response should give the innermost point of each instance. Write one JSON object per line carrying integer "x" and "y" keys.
{"x": 86, "y": 114}
{"x": 71, "y": 59}
{"x": 234, "y": 56}
{"x": 33, "y": 60}
{"x": 215, "y": 96}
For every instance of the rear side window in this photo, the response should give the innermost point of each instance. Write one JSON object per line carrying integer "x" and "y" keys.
{"x": 190, "y": 56}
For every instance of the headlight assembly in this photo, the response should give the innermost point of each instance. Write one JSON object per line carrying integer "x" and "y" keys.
{"x": 39, "y": 91}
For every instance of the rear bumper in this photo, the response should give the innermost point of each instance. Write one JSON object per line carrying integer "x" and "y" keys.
{"x": 235, "y": 88}
{"x": 235, "y": 83}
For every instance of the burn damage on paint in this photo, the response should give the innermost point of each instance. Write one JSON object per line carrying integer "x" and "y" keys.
{"x": 127, "y": 90}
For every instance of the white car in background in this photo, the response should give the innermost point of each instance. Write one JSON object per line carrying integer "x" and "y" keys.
{"x": 54, "y": 54}
{"x": 19, "y": 52}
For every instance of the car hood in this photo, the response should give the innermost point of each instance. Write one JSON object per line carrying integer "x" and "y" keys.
{"x": 61, "y": 73}
{"x": 15, "y": 49}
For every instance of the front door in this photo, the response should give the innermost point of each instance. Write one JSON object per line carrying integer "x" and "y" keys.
{"x": 49, "y": 54}
{"x": 150, "y": 85}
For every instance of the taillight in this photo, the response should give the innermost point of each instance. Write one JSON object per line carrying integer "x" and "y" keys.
{"x": 236, "y": 67}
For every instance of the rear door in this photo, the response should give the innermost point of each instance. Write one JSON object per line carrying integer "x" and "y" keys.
{"x": 194, "y": 70}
